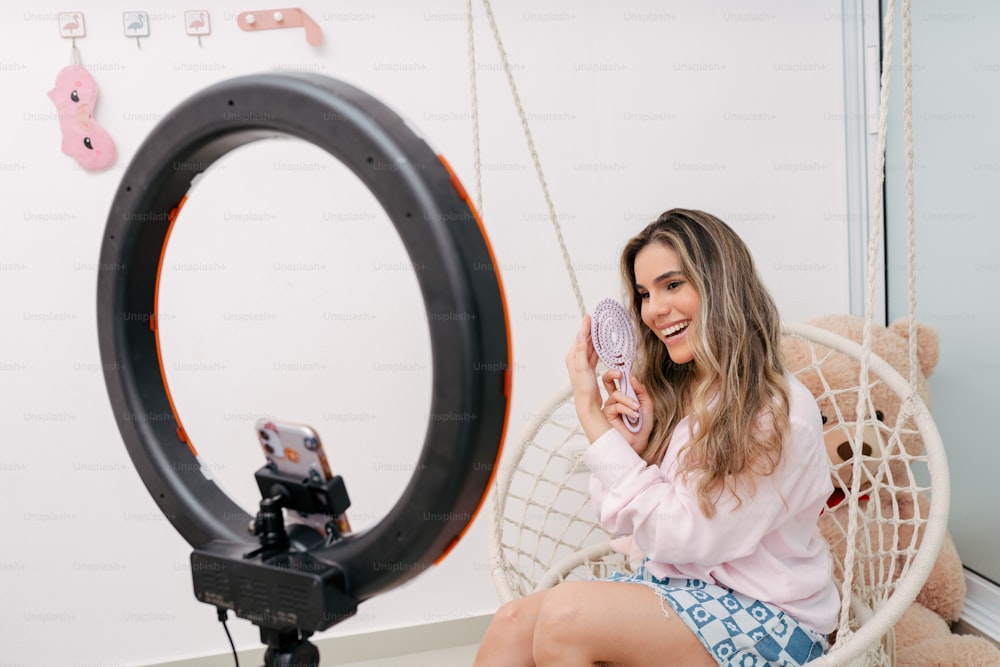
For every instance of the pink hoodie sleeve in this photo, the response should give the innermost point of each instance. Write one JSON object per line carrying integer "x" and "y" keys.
{"x": 662, "y": 512}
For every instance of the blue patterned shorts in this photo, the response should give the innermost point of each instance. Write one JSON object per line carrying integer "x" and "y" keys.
{"x": 737, "y": 630}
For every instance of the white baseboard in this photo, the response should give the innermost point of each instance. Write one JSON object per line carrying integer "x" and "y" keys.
{"x": 374, "y": 645}
{"x": 981, "y": 613}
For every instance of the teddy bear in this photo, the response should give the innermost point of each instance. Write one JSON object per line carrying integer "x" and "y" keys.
{"x": 922, "y": 634}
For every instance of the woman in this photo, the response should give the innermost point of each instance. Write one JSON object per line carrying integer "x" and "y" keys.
{"x": 720, "y": 489}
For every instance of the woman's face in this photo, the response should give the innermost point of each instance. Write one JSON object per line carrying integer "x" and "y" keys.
{"x": 670, "y": 303}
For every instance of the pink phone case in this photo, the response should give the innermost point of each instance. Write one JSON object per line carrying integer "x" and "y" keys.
{"x": 296, "y": 450}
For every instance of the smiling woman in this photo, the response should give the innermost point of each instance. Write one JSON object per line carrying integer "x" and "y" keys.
{"x": 726, "y": 432}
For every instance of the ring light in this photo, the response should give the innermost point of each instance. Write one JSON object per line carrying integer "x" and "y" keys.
{"x": 466, "y": 314}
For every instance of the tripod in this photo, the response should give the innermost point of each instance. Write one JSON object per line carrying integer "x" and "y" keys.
{"x": 288, "y": 648}
{"x": 279, "y": 585}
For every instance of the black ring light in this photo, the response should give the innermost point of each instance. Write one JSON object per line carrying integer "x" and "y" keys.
{"x": 466, "y": 314}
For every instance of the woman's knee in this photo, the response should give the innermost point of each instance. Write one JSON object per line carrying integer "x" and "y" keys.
{"x": 516, "y": 618}
{"x": 560, "y": 605}
{"x": 508, "y": 638}
{"x": 512, "y": 612}
{"x": 557, "y": 627}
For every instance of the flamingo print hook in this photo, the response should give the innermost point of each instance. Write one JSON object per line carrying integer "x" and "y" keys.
{"x": 197, "y": 23}
{"x": 136, "y": 24}
{"x": 71, "y": 25}
{"x": 292, "y": 17}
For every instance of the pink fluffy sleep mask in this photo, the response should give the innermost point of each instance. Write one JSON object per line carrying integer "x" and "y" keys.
{"x": 83, "y": 139}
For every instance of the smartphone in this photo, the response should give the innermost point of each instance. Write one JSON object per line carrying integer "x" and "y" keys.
{"x": 296, "y": 450}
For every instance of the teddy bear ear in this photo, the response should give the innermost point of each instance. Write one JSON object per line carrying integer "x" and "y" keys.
{"x": 928, "y": 343}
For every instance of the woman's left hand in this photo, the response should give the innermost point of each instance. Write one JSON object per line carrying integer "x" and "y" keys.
{"x": 597, "y": 417}
{"x": 620, "y": 406}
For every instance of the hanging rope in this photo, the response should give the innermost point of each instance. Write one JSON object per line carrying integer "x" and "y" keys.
{"x": 911, "y": 256}
{"x": 874, "y": 237}
{"x": 864, "y": 395}
{"x": 474, "y": 97}
{"x": 534, "y": 155}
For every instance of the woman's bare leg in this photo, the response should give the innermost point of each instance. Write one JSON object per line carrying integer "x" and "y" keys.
{"x": 584, "y": 622}
{"x": 509, "y": 638}
{"x": 580, "y": 623}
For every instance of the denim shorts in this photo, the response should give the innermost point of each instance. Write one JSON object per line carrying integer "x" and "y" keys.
{"x": 737, "y": 630}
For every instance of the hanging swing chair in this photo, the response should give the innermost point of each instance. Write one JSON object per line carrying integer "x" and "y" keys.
{"x": 544, "y": 530}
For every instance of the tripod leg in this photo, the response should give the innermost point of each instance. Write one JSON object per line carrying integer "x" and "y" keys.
{"x": 287, "y": 649}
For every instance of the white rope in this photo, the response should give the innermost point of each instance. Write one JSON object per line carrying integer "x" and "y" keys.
{"x": 911, "y": 257}
{"x": 864, "y": 406}
{"x": 534, "y": 157}
{"x": 875, "y": 230}
{"x": 474, "y": 98}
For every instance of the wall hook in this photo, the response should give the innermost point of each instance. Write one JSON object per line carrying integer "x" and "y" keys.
{"x": 72, "y": 25}
{"x": 136, "y": 24}
{"x": 197, "y": 23}
{"x": 291, "y": 17}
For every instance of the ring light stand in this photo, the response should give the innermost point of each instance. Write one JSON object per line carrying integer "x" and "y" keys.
{"x": 289, "y": 589}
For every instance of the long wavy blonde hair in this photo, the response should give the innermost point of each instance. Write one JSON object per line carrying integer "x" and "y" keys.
{"x": 735, "y": 344}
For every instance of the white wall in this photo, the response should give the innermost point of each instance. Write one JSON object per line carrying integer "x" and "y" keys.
{"x": 635, "y": 108}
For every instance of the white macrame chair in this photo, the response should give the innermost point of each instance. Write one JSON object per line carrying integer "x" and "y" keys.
{"x": 543, "y": 529}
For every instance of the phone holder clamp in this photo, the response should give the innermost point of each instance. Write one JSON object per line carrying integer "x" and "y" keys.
{"x": 280, "y": 586}
{"x": 306, "y": 496}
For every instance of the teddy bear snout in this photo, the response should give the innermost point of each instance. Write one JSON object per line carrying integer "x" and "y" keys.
{"x": 846, "y": 452}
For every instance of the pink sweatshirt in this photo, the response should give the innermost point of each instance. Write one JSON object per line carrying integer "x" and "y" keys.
{"x": 768, "y": 548}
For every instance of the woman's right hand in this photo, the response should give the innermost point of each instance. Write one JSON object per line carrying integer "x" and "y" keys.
{"x": 620, "y": 406}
